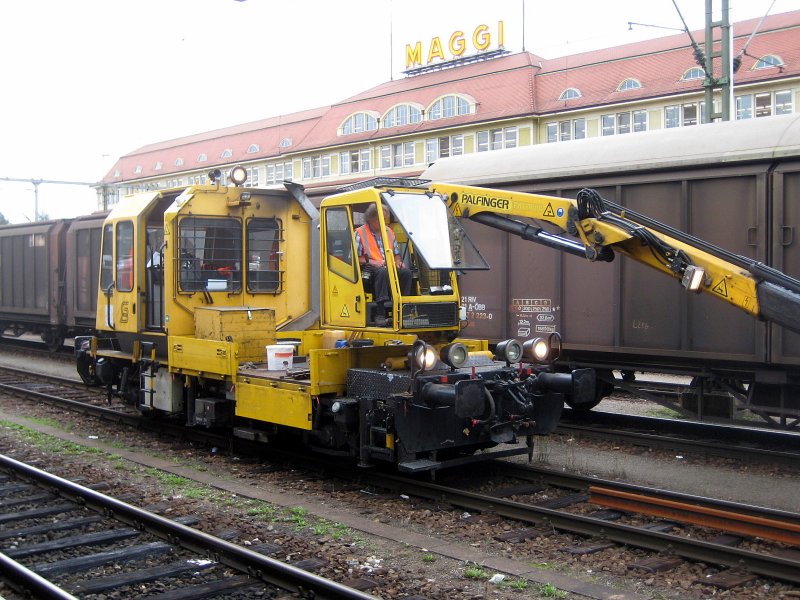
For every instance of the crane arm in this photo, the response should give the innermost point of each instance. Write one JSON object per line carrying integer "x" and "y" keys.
{"x": 600, "y": 229}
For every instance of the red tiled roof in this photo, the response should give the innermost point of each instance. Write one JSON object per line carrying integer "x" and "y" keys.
{"x": 514, "y": 85}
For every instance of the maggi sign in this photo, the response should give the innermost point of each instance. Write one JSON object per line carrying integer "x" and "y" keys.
{"x": 481, "y": 39}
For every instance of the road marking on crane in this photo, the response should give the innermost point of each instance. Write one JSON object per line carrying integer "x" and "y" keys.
{"x": 721, "y": 288}
{"x": 548, "y": 211}
{"x": 345, "y": 312}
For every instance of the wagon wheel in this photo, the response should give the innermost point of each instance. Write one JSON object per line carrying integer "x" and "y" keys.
{"x": 53, "y": 339}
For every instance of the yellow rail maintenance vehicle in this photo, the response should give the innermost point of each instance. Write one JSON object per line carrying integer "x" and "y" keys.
{"x": 246, "y": 309}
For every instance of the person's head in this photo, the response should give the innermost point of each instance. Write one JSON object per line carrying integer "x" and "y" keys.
{"x": 371, "y": 216}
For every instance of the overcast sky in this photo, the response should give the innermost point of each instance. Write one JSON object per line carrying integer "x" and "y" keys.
{"x": 87, "y": 81}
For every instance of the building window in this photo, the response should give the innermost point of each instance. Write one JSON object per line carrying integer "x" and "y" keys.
{"x": 178, "y": 162}
{"x": 354, "y": 161}
{"x": 397, "y": 155}
{"x": 764, "y": 104}
{"x": 359, "y": 123}
{"x": 563, "y": 131}
{"x": 402, "y": 114}
{"x": 768, "y": 61}
{"x": 693, "y": 73}
{"x": 227, "y": 153}
{"x": 317, "y": 166}
{"x": 202, "y": 158}
{"x": 683, "y": 115}
{"x": 279, "y": 172}
{"x": 252, "y": 177}
{"x": 159, "y": 166}
{"x": 252, "y": 148}
{"x": 448, "y": 107}
{"x": 629, "y": 84}
{"x": 137, "y": 169}
{"x": 569, "y": 94}
{"x": 497, "y": 139}
{"x": 624, "y": 122}
{"x": 285, "y": 143}
{"x": 442, "y": 147}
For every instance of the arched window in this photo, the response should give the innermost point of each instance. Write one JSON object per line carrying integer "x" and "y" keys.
{"x": 158, "y": 166}
{"x": 569, "y": 94}
{"x": 178, "y": 162}
{"x": 359, "y": 123}
{"x": 137, "y": 169}
{"x": 450, "y": 106}
{"x": 693, "y": 73}
{"x": 227, "y": 153}
{"x": 285, "y": 143}
{"x": 202, "y": 158}
{"x": 402, "y": 114}
{"x": 252, "y": 148}
{"x": 767, "y": 61}
{"x": 629, "y": 84}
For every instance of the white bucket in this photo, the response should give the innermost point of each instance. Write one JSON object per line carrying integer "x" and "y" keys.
{"x": 279, "y": 357}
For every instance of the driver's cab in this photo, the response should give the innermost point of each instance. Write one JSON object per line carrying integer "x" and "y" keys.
{"x": 431, "y": 246}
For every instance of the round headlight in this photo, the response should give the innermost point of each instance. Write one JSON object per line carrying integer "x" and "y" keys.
{"x": 537, "y": 350}
{"x": 510, "y": 351}
{"x": 238, "y": 175}
{"x": 423, "y": 356}
{"x": 454, "y": 355}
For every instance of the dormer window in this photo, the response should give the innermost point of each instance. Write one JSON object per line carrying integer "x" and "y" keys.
{"x": 227, "y": 153}
{"x": 158, "y": 166}
{"x": 570, "y": 94}
{"x": 450, "y": 106}
{"x": 629, "y": 84}
{"x": 202, "y": 158}
{"x": 252, "y": 148}
{"x": 693, "y": 73}
{"x": 137, "y": 169}
{"x": 178, "y": 162}
{"x": 359, "y": 123}
{"x": 402, "y": 114}
{"x": 768, "y": 61}
{"x": 285, "y": 143}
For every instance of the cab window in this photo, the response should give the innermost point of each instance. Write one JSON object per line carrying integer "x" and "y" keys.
{"x": 124, "y": 243}
{"x": 210, "y": 254}
{"x": 339, "y": 243}
{"x": 107, "y": 260}
{"x": 264, "y": 256}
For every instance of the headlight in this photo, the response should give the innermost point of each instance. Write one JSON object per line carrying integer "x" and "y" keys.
{"x": 423, "y": 356}
{"x": 537, "y": 350}
{"x": 693, "y": 277}
{"x": 238, "y": 175}
{"x": 509, "y": 351}
{"x": 454, "y": 355}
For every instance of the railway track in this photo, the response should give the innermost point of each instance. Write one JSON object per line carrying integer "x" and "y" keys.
{"x": 59, "y": 539}
{"x": 676, "y": 527}
{"x": 737, "y": 442}
{"x": 747, "y": 541}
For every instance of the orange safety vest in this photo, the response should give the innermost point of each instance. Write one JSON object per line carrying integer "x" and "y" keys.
{"x": 369, "y": 244}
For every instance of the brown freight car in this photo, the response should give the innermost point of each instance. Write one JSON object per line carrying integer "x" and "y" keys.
{"x": 48, "y": 277}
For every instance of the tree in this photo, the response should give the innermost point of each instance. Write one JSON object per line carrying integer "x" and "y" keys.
{"x": 3, "y": 220}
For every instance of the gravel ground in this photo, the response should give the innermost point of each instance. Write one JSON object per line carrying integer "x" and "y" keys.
{"x": 405, "y": 547}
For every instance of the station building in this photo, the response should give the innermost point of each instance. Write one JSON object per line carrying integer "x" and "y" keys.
{"x": 482, "y": 103}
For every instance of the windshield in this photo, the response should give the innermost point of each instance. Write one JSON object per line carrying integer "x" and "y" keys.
{"x": 436, "y": 234}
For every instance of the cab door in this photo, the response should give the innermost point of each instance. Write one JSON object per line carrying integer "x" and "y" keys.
{"x": 117, "y": 309}
{"x": 343, "y": 298}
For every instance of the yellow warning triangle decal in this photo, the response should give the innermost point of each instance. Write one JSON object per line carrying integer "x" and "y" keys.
{"x": 345, "y": 312}
{"x": 721, "y": 288}
{"x": 548, "y": 212}
{"x": 456, "y": 209}
{"x": 335, "y": 291}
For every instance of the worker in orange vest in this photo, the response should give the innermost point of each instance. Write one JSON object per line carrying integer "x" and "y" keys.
{"x": 372, "y": 258}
